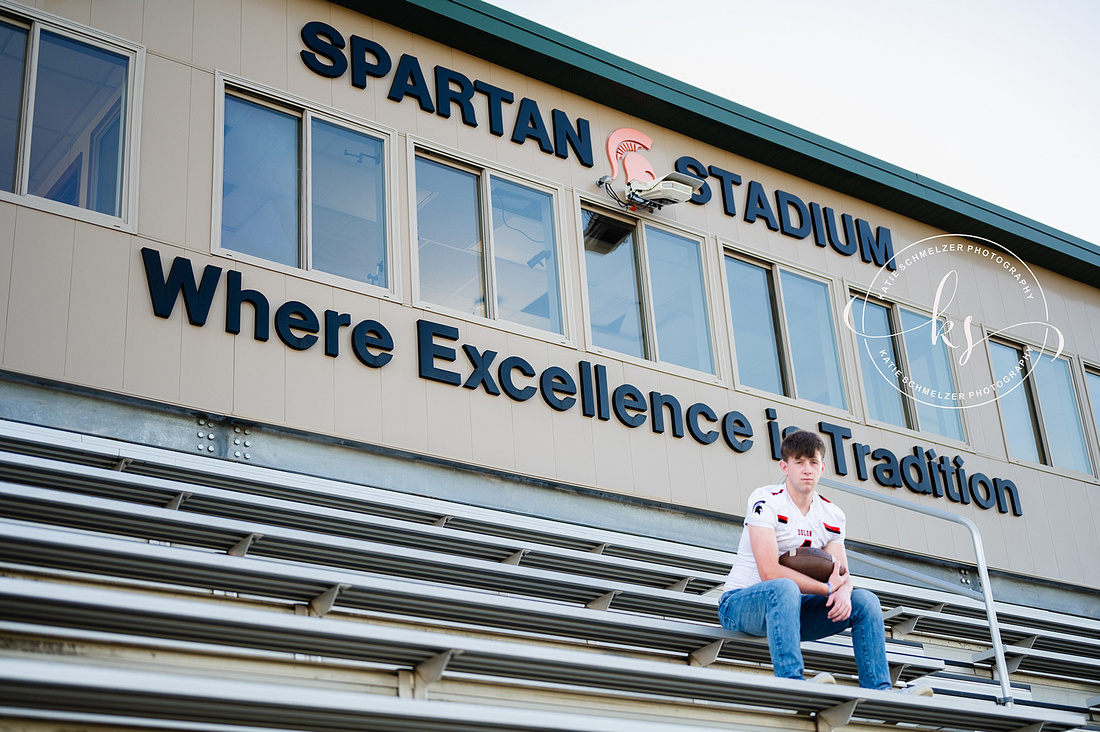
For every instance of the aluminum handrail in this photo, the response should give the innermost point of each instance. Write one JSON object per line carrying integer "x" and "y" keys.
{"x": 983, "y": 571}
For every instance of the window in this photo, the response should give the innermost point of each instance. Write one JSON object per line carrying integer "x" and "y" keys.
{"x": 303, "y": 191}
{"x": 907, "y": 378}
{"x": 646, "y": 292}
{"x": 1092, "y": 379}
{"x": 487, "y": 246}
{"x": 1039, "y": 407}
{"x": 784, "y": 333}
{"x": 66, "y": 139}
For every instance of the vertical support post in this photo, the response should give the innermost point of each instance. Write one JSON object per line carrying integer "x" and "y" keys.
{"x": 983, "y": 571}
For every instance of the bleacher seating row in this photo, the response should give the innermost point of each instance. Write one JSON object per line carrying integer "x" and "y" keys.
{"x": 105, "y": 545}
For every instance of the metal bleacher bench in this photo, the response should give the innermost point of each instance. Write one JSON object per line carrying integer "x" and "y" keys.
{"x": 1030, "y": 648}
{"x": 113, "y": 616}
{"x": 699, "y": 643}
{"x": 358, "y": 563}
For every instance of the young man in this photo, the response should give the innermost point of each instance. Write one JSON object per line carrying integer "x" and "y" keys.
{"x": 762, "y": 597}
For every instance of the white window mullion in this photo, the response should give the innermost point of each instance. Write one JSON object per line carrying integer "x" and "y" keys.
{"x": 488, "y": 255}
{"x": 645, "y": 294}
{"x": 786, "y": 360}
{"x": 909, "y": 405}
{"x": 30, "y": 78}
{"x": 305, "y": 193}
{"x": 131, "y": 142}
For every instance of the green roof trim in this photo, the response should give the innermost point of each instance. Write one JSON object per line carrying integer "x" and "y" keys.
{"x": 517, "y": 43}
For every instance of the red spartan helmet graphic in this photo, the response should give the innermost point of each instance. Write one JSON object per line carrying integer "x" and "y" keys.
{"x": 622, "y": 144}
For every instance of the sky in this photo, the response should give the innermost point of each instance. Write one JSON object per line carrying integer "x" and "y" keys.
{"x": 999, "y": 99}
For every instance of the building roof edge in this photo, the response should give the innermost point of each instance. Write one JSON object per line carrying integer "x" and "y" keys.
{"x": 517, "y": 43}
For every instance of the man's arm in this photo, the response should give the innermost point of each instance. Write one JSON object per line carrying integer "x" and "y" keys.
{"x": 840, "y": 601}
{"x": 765, "y": 550}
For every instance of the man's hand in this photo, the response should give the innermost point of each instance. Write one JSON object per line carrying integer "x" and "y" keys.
{"x": 840, "y": 602}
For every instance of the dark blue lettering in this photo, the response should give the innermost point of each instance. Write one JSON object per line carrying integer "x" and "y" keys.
{"x": 920, "y": 483}
{"x": 627, "y": 398}
{"x": 428, "y": 351}
{"x": 980, "y": 484}
{"x": 408, "y": 81}
{"x": 848, "y": 248}
{"x": 313, "y": 35}
{"x": 756, "y": 204}
{"x": 181, "y": 278}
{"x": 657, "y": 403}
{"x": 818, "y": 224}
{"x": 446, "y": 95}
{"x": 235, "y": 297}
{"x": 888, "y": 472}
{"x": 784, "y": 201}
{"x": 837, "y": 435}
{"x": 504, "y": 374}
{"x": 334, "y": 321}
{"x": 529, "y": 124}
{"x": 774, "y": 440}
{"x": 693, "y": 413}
{"x": 1006, "y": 489}
{"x": 879, "y": 248}
{"x": 729, "y": 180}
{"x": 497, "y": 97}
{"x": 291, "y": 316}
{"x": 860, "y": 451}
{"x": 372, "y": 334}
{"x": 481, "y": 375}
{"x": 735, "y": 425}
{"x": 554, "y": 381}
{"x": 580, "y": 139}
{"x": 361, "y": 68}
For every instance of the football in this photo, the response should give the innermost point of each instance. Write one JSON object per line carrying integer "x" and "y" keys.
{"x": 815, "y": 563}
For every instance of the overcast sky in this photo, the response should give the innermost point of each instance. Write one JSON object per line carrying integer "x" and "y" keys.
{"x": 1000, "y": 99}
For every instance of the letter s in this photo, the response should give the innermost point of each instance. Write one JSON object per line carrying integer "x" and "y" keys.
{"x": 312, "y": 36}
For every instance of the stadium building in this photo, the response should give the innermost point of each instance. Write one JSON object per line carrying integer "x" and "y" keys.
{"x": 407, "y": 365}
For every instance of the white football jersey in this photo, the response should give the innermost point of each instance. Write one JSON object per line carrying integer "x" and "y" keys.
{"x": 771, "y": 507}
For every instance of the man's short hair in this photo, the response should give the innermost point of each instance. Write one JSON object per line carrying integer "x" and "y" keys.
{"x": 802, "y": 444}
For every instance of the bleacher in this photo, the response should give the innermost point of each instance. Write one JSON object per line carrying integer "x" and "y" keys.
{"x": 143, "y": 588}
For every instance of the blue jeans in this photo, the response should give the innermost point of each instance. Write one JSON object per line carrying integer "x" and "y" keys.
{"x": 778, "y": 609}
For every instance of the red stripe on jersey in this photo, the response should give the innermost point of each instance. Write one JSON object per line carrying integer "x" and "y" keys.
{"x": 783, "y": 519}
{"x": 824, "y": 498}
{"x": 834, "y": 529}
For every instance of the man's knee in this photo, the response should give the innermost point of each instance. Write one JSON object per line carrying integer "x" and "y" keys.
{"x": 866, "y": 604}
{"x": 785, "y": 593}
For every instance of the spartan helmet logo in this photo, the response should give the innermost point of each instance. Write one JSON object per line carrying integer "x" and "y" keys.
{"x": 623, "y": 144}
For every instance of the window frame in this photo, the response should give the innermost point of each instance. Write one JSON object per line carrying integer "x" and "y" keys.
{"x": 306, "y": 111}
{"x": 1039, "y": 424}
{"x": 35, "y": 22}
{"x": 650, "y": 348}
{"x": 909, "y": 403}
{"x": 1092, "y": 409}
{"x": 485, "y": 171}
{"x": 788, "y": 377}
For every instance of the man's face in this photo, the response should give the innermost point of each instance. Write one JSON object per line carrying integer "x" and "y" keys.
{"x": 803, "y": 472}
